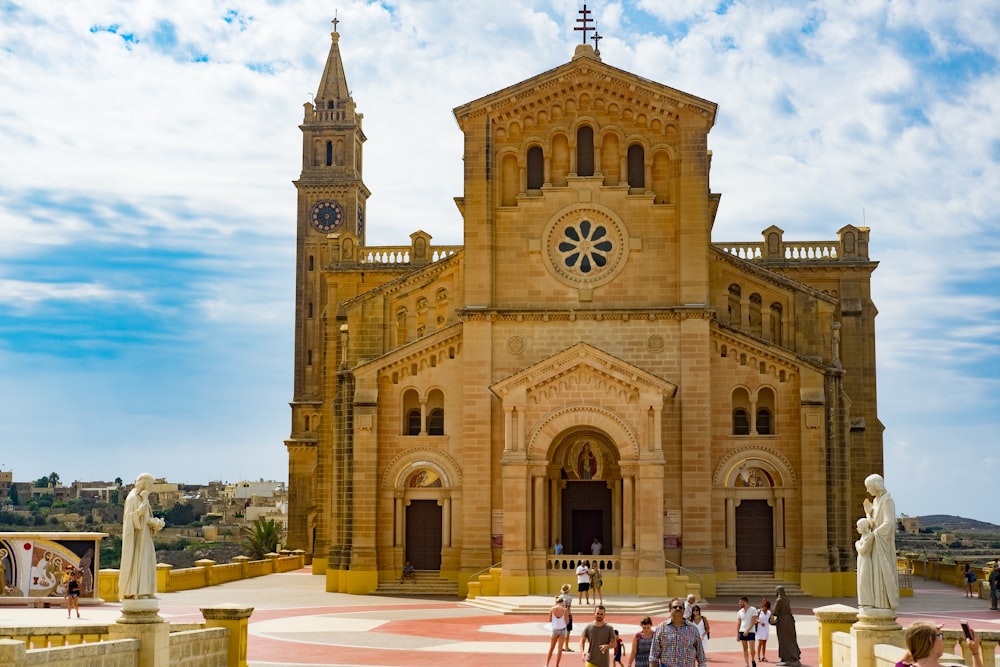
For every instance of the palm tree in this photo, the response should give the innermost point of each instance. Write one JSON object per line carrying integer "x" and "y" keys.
{"x": 53, "y": 479}
{"x": 261, "y": 537}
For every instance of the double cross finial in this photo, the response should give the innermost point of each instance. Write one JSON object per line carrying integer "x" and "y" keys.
{"x": 585, "y": 20}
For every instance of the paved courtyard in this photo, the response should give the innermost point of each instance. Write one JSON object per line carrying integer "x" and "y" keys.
{"x": 296, "y": 622}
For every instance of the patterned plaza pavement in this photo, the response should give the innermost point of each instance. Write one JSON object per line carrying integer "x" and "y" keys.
{"x": 296, "y": 622}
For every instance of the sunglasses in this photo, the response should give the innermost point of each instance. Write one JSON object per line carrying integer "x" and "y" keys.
{"x": 677, "y": 608}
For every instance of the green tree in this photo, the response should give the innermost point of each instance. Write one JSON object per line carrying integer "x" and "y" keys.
{"x": 12, "y": 495}
{"x": 41, "y": 482}
{"x": 181, "y": 514}
{"x": 261, "y": 537}
{"x": 53, "y": 479}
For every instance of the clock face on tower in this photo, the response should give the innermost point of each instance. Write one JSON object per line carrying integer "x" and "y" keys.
{"x": 327, "y": 215}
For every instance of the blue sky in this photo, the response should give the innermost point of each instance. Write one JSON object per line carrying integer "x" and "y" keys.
{"x": 147, "y": 211}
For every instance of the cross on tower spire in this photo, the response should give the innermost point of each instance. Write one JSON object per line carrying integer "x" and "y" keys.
{"x": 584, "y": 20}
{"x": 335, "y": 20}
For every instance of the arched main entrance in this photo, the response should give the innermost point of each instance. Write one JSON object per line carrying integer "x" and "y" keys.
{"x": 585, "y": 480}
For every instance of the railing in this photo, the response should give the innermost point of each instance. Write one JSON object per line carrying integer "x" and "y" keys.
{"x": 790, "y": 250}
{"x": 570, "y": 563}
{"x": 680, "y": 568}
{"x": 485, "y": 570}
{"x": 400, "y": 255}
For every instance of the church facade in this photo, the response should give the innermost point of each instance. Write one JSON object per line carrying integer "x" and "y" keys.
{"x": 589, "y": 365}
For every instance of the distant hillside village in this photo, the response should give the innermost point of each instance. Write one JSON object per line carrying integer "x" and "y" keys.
{"x": 216, "y": 511}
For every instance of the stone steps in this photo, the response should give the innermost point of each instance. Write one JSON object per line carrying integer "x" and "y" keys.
{"x": 756, "y": 585}
{"x": 537, "y": 605}
{"x": 425, "y": 583}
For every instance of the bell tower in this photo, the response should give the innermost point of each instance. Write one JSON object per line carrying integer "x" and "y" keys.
{"x": 331, "y": 202}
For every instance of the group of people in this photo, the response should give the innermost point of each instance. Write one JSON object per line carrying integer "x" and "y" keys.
{"x": 679, "y": 641}
{"x": 753, "y": 629}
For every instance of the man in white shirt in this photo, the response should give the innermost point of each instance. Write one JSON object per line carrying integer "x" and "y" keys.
{"x": 595, "y": 547}
{"x": 746, "y": 626}
{"x": 582, "y": 581}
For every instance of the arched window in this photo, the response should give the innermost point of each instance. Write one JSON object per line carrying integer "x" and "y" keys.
{"x": 776, "y": 323}
{"x": 636, "y": 167}
{"x": 310, "y": 315}
{"x": 756, "y": 320}
{"x": 741, "y": 422}
{"x": 764, "y": 424}
{"x": 329, "y": 153}
{"x": 435, "y": 422}
{"x": 309, "y": 357}
{"x": 435, "y": 412}
{"x": 735, "y": 305}
{"x": 741, "y": 411}
{"x": 312, "y": 263}
{"x": 585, "y": 151}
{"x": 413, "y": 422}
{"x": 763, "y": 421}
{"x": 536, "y": 168}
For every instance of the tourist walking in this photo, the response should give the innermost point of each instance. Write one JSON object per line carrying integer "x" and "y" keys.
{"x": 970, "y": 578}
{"x": 700, "y": 622}
{"x": 763, "y": 629}
{"x": 641, "y": 642}
{"x": 567, "y": 599}
{"x": 746, "y": 627}
{"x": 689, "y": 606}
{"x": 557, "y": 618}
{"x": 676, "y": 643}
{"x": 598, "y": 640}
{"x": 994, "y": 584}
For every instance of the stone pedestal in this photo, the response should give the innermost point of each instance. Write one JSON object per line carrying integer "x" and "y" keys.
{"x": 874, "y": 626}
{"x": 832, "y": 618}
{"x": 141, "y": 620}
{"x": 236, "y": 619}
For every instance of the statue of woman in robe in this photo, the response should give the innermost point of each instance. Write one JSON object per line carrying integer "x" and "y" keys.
{"x": 137, "y": 576}
{"x": 879, "y": 562}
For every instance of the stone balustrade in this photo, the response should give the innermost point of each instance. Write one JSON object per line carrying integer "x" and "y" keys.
{"x": 400, "y": 255}
{"x": 790, "y": 250}
{"x": 570, "y": 563}
{"x": 207, "y": 573}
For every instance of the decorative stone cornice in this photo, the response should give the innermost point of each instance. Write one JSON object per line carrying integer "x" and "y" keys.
{"x": 598, "y": 315}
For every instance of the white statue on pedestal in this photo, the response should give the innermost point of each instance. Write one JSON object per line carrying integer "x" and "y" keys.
{"x": 137, "y": 576}
{"x": 878, "y": 583}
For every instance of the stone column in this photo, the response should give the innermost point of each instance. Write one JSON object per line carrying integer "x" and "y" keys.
{"x": 830, "y": 619}
{"x": 538, "y": 511}
{"x": 446, "y": 520}
{"x": 616, "y": 515}
{"x": 235, "y": 619}
{"x": 400, "y": 519}
{"x": 141, "y": 620}
{"x": 874, "y": 626}
{"x": 628, "y": 501}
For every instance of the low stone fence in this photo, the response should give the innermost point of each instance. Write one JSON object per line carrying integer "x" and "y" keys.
{"x": 837, "y": 642}
{"x": 932, "y": 567}
{"x": 206, "y": 573}
{"x": 219, "y": 642}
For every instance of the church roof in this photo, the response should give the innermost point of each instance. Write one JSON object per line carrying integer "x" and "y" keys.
{"x": 586, "y": 65}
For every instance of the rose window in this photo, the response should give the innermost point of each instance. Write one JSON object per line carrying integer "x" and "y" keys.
{"x": 585, "y": 246}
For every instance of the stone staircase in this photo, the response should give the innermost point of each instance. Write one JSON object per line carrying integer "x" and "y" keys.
{"x": 426, "y": 583}
{"x": 538, "y": 605}
{"x": 756, "y": 585}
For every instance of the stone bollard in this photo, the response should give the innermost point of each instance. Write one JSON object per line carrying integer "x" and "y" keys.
{"x": 206, "y": 564}
{"x": 244, "y": 568}
{"x": 235, "y": 619}
{"x": 163, "y": 577}
{"x": 830, "y": 619}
